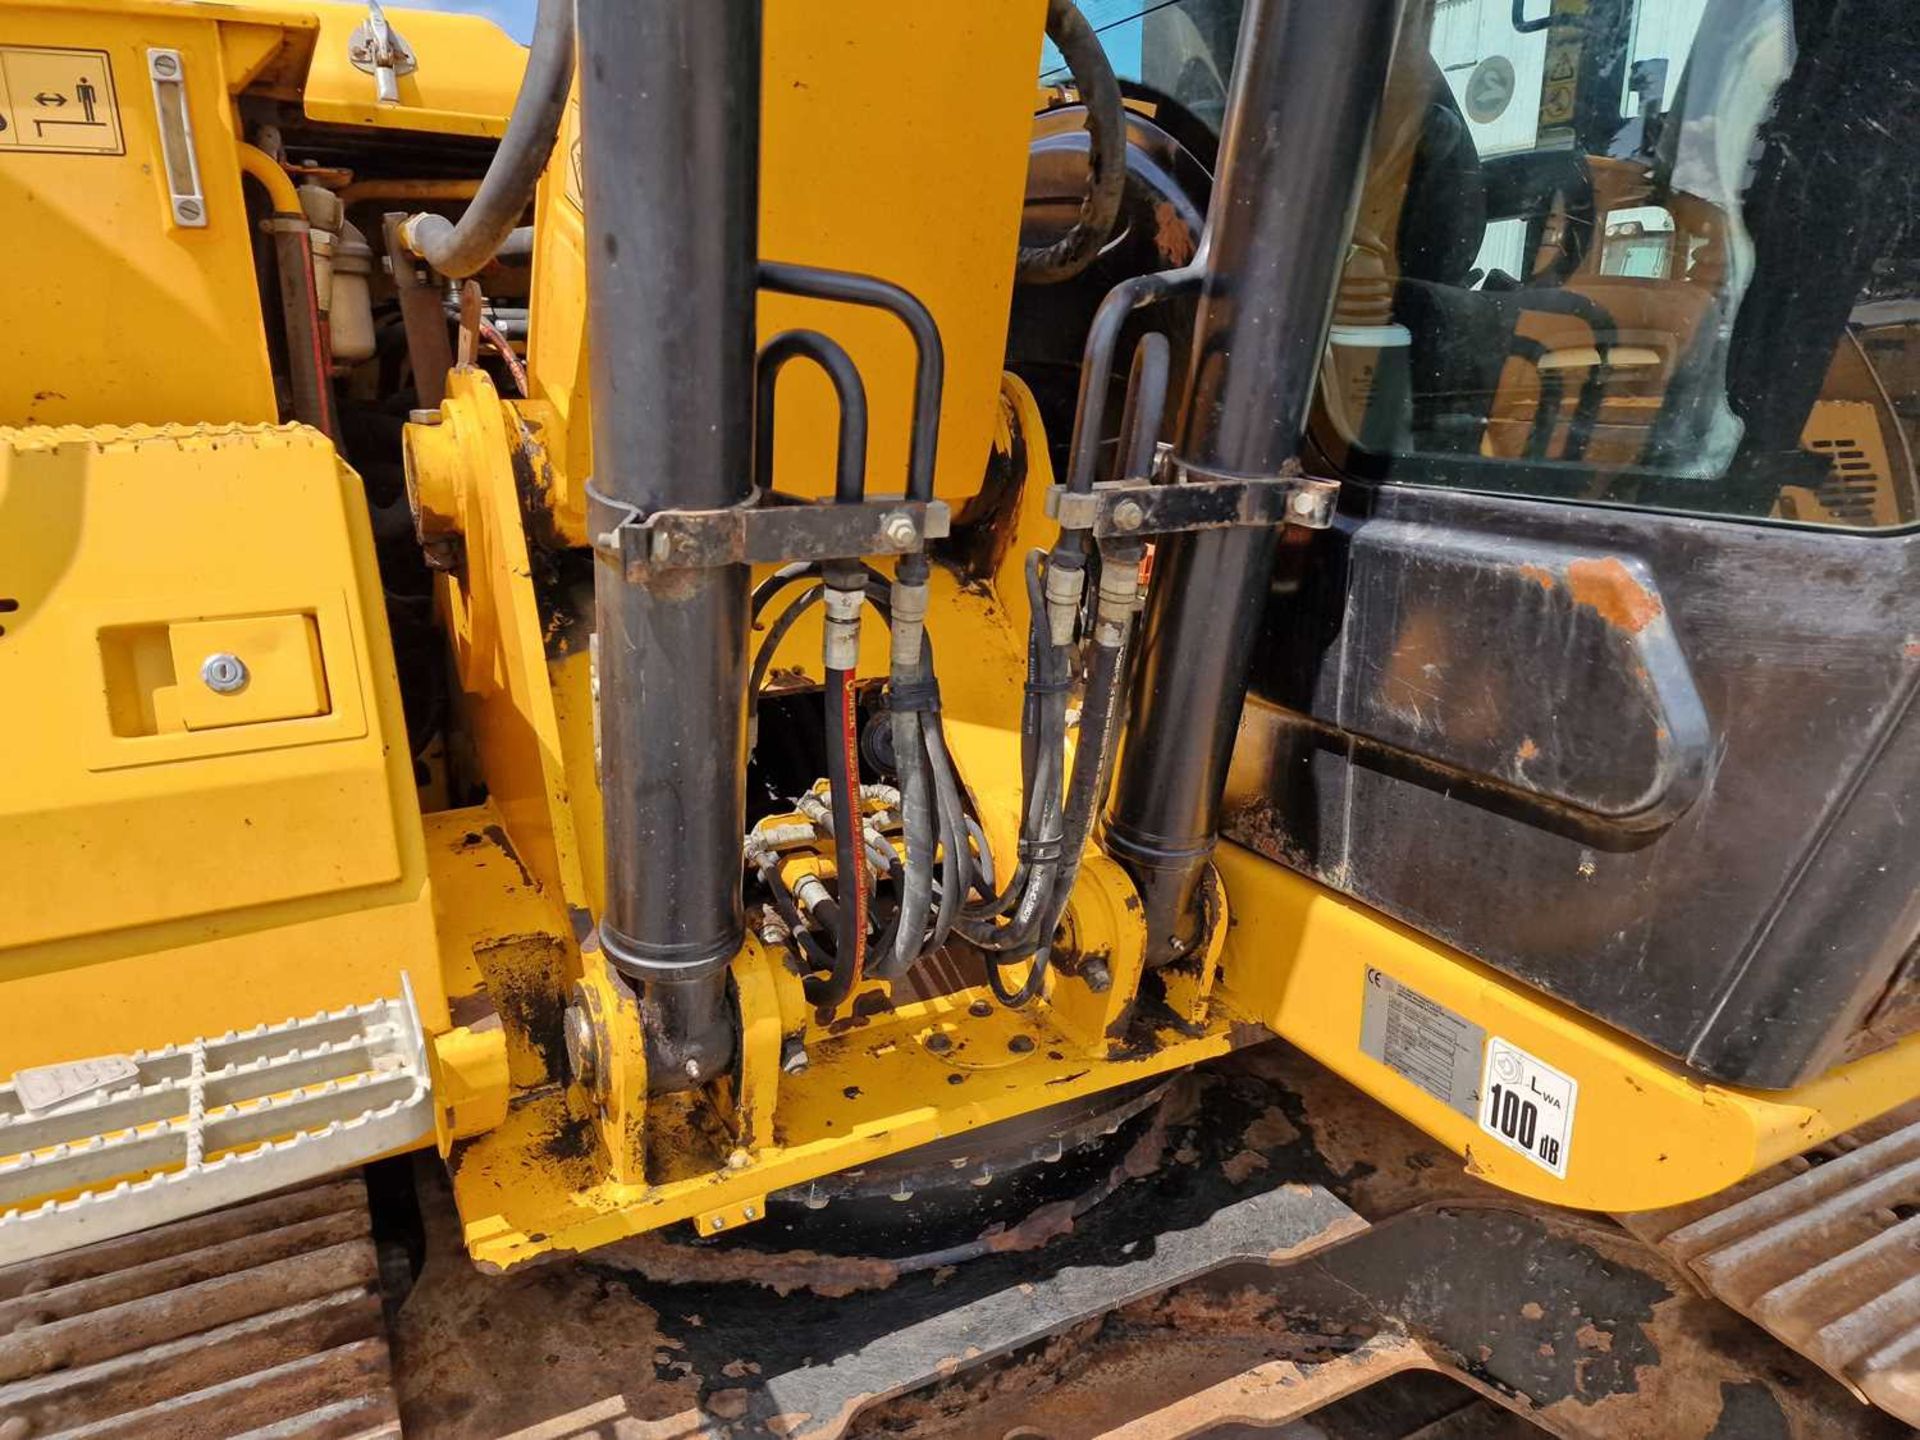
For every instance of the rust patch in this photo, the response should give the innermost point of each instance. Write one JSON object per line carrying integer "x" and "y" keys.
{"x": 669, "y": 1263}
{"x": 1590, "y": 1337}
{"x": 1608, "y": 588}
{"x": 1172, "y": 236}
{"x": 1529, "y": 749}
{"x": 1241, "y": 1167}
{"x": 1272, "y": 1130}
{"x": 1539, "y": 574}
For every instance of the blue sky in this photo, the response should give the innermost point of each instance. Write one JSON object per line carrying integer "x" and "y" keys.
{"x": 513, "y": 16}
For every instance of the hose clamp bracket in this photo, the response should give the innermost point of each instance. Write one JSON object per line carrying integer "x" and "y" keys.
{"x": 767, "y": 529}
{"x": 1195, "y": 499}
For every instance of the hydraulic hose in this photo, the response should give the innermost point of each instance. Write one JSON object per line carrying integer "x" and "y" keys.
{"x": 461, "y": 249}
{"x": 849, "y": 844}
{"x": 1093, "y": 76}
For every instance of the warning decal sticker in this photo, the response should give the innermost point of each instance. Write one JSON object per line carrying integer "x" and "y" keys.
{"x": 58, "y": 102}
{"x": 1528, "y": 1105}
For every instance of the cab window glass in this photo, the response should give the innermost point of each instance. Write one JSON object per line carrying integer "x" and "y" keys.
{"x": 1654, "y": 252}
{"x": 1183, "y": 49}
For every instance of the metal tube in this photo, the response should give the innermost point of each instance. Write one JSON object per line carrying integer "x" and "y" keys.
{"x": 850, "y": 456}
{"x": 461, "y": 249}
{"x": 1307, "y": 83}
{"x": 670, "y": 98}
{"x": 309, "y": 361}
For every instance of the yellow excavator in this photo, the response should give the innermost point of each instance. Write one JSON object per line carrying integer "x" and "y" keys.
{"x": 1272, "y": 791}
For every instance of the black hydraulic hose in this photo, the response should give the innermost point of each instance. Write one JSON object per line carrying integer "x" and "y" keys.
{"x": 1093, "y": 76}
{"x": 919, "y": 822}
{"x": 764, "y": 657}
{"x": 461, "y": 249}
{"x": 956, "y": 859}
{"x": 798, "y": 925}
{"x": 849, "y": 844}
{"x": 769, "y": 589}
{"x": 1034, "y": 753}
{"x": 1092, "y": 770}
{"x": 1145, "y": 409}
{"x": 850, "y": 458}
{"x": 1096, "y": 365}
{"x": 930, "y": 374}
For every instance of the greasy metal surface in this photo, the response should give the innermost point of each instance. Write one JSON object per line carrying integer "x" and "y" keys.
{"x": 1583, "y": 1331}
{"x": 1824, "y": 1252}
{"x": 1698, "y": 938}
{"x": 1118, "y": 509}
{"x": 267, "y": 1314}
{"x": 760, "y": 534}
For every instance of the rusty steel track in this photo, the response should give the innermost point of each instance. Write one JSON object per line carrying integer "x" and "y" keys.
{"x": 262, "y": 1320}
{"x": 1824, "y": 1252}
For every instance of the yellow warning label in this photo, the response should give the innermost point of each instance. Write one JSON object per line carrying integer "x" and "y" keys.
{"x": 61, "y": 101}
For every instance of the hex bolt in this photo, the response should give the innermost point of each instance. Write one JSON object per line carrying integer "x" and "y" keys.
{"x": 1128, "y": 515}
{"x": 793, "y": 1060}
{"x": 1305, "y": 503}
{"x": 719, "y": 1222}
{"x": 900, "y": 530}
{"x": 223, "y": 672}
{"x": 692, "y": 1068}
{"x": 738, "y": 1160}
{"x": 1099, "y": 979}
{"x": 751, "y": 1213}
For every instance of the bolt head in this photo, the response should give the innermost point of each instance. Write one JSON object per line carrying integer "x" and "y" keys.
{"x": 751, "y": 1213}
{"x": 1128, "y": 515}
{"x": 188, "y": 210}
{"x": 692, "y": 1068}
{"x": 719, "y": 1222}
{"x": 738, "y": 1159}
{"x": 900, "y": 530}
{"x": 165, "y": 66}
{"x": 223, "y": 673}
{"x": 1304, "y": 503}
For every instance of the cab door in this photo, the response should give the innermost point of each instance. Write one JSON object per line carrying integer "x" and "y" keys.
{"x": 1606, "y": 674}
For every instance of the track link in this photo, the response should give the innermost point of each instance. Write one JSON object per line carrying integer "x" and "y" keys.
{"x": 1824, "y": 1252}
{"x": 262, "y": 1320}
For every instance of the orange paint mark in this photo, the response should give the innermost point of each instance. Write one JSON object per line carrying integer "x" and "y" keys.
{"x": 1539, "y": 574}
{"x": 1608, "y": 588}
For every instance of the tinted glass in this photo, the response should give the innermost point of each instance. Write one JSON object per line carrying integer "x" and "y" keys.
{"x": 1654, "y": 252}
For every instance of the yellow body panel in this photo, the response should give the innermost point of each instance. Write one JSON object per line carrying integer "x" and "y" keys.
{"x": 109, "y": 297}
{"x": 1646, "y": 1134}
{"x": 166, "y": 881}
{"x": 469, "y": 71}
{"x": 920, "y": 184}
